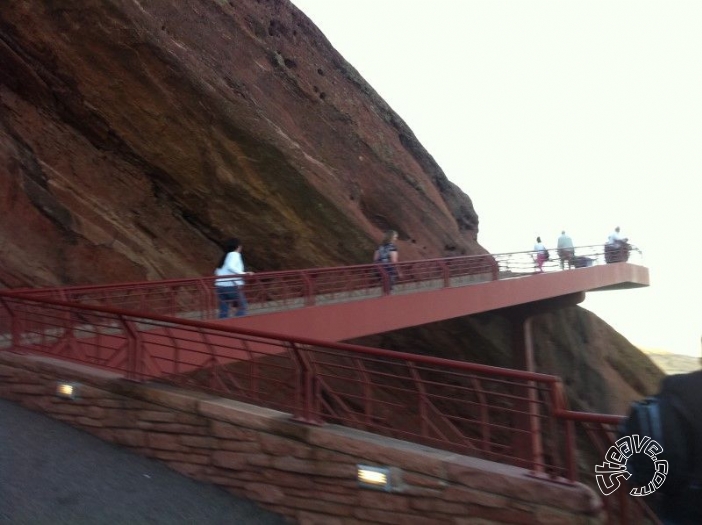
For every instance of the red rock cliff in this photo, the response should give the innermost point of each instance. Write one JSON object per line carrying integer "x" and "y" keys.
{"x": 136, "y": 136}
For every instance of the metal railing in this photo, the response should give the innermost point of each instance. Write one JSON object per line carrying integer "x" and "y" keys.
{"x": 273, "y": 291}
{"x": 494, "y": 413}
{"x": 602, "y": 431}
{"x": 517, "y": 263}
{"x": 504, "y": 415}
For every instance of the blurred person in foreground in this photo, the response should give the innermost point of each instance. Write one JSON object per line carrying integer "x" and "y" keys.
{"x": 684, "y": 507}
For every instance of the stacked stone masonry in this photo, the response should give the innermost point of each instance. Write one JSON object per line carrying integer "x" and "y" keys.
{"x": 307, "y": 473}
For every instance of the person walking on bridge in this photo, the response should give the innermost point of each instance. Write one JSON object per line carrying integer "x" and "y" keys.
{"x": 387, "y": 256}
{"x": 566, "y": 252}
{"x": 230, "y": 291}
{"x": 541, "y": 254}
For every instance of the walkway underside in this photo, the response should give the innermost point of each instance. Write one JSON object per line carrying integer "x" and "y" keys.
{"x": 349, "y": 320}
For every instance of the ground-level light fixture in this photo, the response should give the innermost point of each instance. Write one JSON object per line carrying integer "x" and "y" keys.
{"x": 66, "y": 390}
{"x": 371, "y": 477}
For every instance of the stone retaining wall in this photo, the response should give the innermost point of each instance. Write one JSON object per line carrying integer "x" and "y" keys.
{"x": 306, "y": 473}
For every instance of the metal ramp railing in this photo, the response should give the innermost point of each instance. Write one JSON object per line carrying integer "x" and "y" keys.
{"x": 267, "y": 292}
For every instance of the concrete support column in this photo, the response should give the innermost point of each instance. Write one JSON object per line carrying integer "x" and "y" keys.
{"x": 528, "y": 444}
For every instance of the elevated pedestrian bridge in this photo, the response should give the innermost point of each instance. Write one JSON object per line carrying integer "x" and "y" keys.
{"x": 421, "y": 302}
{"x": 286, "y": 354}
{"x": 341, "y": 303}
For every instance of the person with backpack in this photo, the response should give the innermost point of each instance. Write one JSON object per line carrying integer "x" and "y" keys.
{"x": 672, "y": 418}
{"x": 387, "y": 256}
{"x": 230, "y": 291}
{"x": 542, "y": 254}
{"x": 684, "y": 505}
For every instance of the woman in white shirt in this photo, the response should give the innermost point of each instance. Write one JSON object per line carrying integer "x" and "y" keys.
{"x": 230, "y": 291}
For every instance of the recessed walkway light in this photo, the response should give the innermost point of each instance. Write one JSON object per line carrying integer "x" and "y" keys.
{"x": 377, "y": 478}
{"x": 67, "y": 390}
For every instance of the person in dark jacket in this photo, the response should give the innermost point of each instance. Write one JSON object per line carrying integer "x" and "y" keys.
{"x": 685, "y": 507}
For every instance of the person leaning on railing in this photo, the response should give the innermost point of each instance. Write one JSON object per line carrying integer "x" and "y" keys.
{"x": 230, "y": 291}
{"x": 616, "y": 238}
{"x": 617, "y": 247}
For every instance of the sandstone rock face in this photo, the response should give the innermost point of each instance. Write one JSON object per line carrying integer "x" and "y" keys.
{"x": 136, "y": 136}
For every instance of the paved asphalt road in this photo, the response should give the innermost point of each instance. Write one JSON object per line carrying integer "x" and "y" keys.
{"x": 54, "y": 474}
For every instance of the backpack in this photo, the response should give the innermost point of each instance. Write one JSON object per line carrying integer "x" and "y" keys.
{"x": 664, "y": 419}
{"x": 383, "y": 254}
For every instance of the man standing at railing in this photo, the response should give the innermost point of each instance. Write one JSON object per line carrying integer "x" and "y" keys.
{"x": 566, "y": 251}
{"x": 617, "y": 247}
{"x": 616, "y": 238}
{"x": 230, "y": 291}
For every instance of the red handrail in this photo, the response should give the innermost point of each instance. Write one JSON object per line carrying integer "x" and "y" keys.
{"x": 414, "y": 397}
{"x": 326, "y": 387}
{"x": 601, "y": 430}
{"x": 266, "y": 291}
{"x": 470, "y": 408}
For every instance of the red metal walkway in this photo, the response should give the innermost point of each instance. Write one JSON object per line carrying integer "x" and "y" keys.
{"x": 284, "y": 356}
{"x": 335, "y": 304}
{"x": 352, "y": 319}
{"x": 341, "y": 303}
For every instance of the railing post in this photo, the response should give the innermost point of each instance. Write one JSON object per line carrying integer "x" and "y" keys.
{"x": 558, "y": 405}
{"x": 528, "y": 445}
{"x": 421, "y": 398}
{"x": 173, "y": 301}
{"x": 207, "y": 305}
{"x": 309, "y": 288}
{"x": 484, "y": 413}
{"x": 446, "y": 273}
{"x": 134, "y": 349}
{"x": 367, "y": 391}
{"x": 495, "y": 268}
{"x": 307, "y": 407}
{"x": 211, "y": 301}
